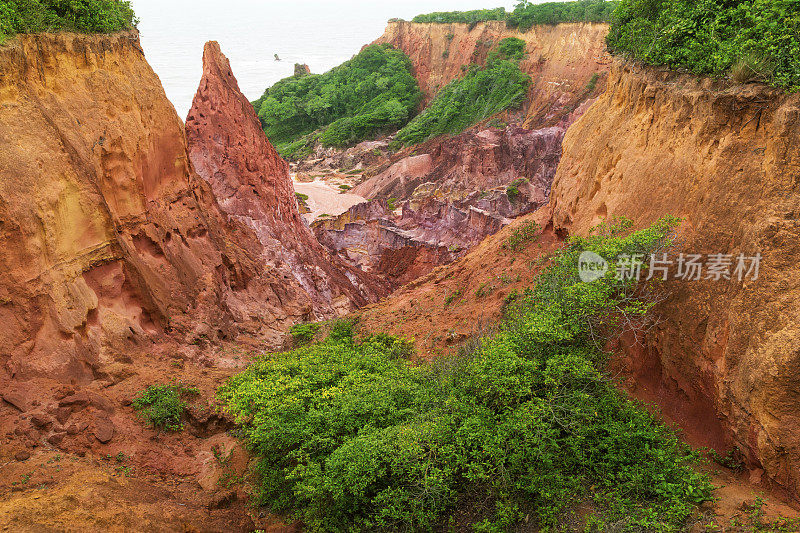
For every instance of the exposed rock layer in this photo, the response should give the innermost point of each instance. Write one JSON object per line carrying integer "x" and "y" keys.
{"x": 725, "y": 361}
{"x": 368, "y": 236}
{"x": 561, "y": 59}
{"x": 252, "y": 185}
{"x": 108, "y": 237}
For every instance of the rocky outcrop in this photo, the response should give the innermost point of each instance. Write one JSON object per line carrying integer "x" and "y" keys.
{"x": 561, "y": 59}
{"x": 369, "y": 237}
{"x": 724, "y": 361}
{"x": 301, "y": 69}
{"x": 252, "y": 185}
{"x": 456, "y": 191}
{"x": 455, "y": 168}
{"x": 108, "y": 238}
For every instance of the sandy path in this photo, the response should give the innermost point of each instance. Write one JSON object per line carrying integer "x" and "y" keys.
{"x": 324, "y": 199}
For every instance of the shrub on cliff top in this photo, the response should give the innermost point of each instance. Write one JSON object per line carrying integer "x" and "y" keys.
{"x": 83, "y": 16}
{"x": 526, "y": 15}
{"x": 372, "y": 93}
{"x": 350, "y": 436}
{"x": 750, "y": 39}
{"x": 464, "y": 17}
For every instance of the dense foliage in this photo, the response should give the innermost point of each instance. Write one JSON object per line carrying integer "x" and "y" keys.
{"x": 352, "y": 437}
{"x": 526, "y": 14}
{"x": 479, "y": 94}
{"x": 372, "y": 93}
{"x": 753, "y": 39}
{"x": 85, "y": 16}
{"x": 467, "y": 17}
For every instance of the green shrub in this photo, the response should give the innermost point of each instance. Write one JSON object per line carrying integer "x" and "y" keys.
{"x": 82, "y": 16}
{"x": 162, "y": 405}
{"x": 526, "y": 15}
{"x": 464, "y": 102}
{"x": 512, "y": 192}
{"x": 521, "y": 236}
{"x": 750, "y": 39}
{"x": 464, "y": 17}
{"x": 590, "y": 87}
{"x": 512, "y": 48}
{"x": 304, "y": 333}
{"x": 373, "y": 93}
{"x": 351, "y": 437}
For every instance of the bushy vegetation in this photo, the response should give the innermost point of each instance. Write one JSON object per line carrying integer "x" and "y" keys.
{"x": 522, "y": 236}
{"x": 84, "y": 16}
{"x": 526, "y": 15}
{"x": 372, "y": 93}
{"x": 750, "y": 39}
{"x": 466, "y": 17}
{"x": 162, "y": 405}
{"x": 304, "y": 333}
{"x": 352, "y": 437}
{"x": 479, "y": 94}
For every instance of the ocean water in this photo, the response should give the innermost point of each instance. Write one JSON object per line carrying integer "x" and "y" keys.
{"x": 250, "y": 32}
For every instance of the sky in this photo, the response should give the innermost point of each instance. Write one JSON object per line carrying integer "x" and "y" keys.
{"x": 250, "y": 32}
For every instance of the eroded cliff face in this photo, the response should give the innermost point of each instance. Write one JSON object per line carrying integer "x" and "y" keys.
{"x": 251, "y": 182}
{"x": 121, "y": 268}
{"x": 561, "y": 59}
{"x": 725, "y": 361}
{"x": 455, "y": 189}
{"x": 108, "y": 239}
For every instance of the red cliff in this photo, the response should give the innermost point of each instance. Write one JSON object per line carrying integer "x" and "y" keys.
{"x": 251, "y": 182}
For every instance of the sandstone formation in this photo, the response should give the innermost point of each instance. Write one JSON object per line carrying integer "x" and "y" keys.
{"x": 724, "y": 362}
{"x": 301, "y": 69}
{"x": 455, "y": 168}
{"x": 251, "y": 182}
{"x": 121, "y": 267}
{"x": 459, "y": 302}
{"x": 369, "y": 237}
{"x": 457, "y": 190}
{"x": 561, "y": 59}
{"x": 108, "y": 237}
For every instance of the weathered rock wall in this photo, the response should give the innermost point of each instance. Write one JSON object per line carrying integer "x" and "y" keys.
{"x": 561, "y": 59}
{"x": 108, "y": 238}
{"x": 725, "y": 361}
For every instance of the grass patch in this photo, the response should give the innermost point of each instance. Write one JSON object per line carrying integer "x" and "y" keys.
{"x": 521, "y": 236}
{"x": 162, "y": 406}
{"x": 303, "y": 334}
{"x": 464, "y": 102}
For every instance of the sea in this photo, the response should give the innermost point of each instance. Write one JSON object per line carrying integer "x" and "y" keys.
{"x": 250, "y": 32}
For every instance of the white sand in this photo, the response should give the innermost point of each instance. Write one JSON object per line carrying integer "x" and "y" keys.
{"x": 324, "y": 199}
